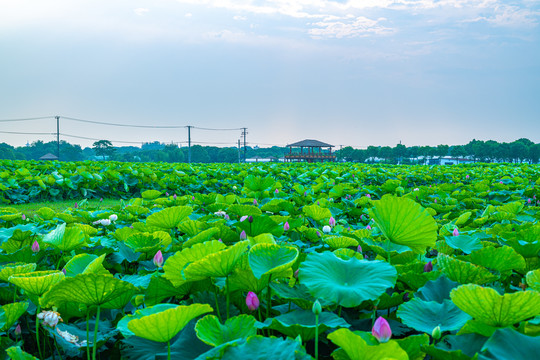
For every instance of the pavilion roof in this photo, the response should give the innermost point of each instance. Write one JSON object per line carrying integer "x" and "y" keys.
{"x": 311, "y": 143}
{"x": 48, "y": 156}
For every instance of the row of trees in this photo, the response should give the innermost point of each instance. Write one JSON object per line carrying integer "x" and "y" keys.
{"x": 522, "y": 150}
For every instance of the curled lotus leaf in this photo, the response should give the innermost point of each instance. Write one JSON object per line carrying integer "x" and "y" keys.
{"x": 464, "y": 272}
{"x": 201, "y": 237}
{"x": 88, "y": 289}
{"x": 169, "y": 218}
{"x": 218, "y": 264}
{"x": 426, "y": 315}
{"x": 268, "y": 259}
{"x": 37, "y": 282}
{"x": 210, "y": 330}
{"x": 85, "y": 263}
{"x": 489, "y": 307}
{"x": 502, "y": 258}
{"x": 533, "y": 279}
{"x": 65, "y": 238}
{"x": 316, "y": 212}
{"x": 339, "y": 242}
{"x": 142, "y": 242}
{"x": 11, "y": 313}
{"x": 123, "y": 323}
{"x": 150, "y": 194}
{"x": 15, "y": 268}
{"x": 405, "y": 222}
{"x": 164, "y": 325}
{"x": 357, "y": 348}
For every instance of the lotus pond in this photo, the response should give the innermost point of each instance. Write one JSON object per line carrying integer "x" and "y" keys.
{"x": 270, "y": 261}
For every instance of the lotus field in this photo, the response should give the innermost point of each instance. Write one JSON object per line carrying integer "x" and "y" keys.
{"x": 270, "y": 261}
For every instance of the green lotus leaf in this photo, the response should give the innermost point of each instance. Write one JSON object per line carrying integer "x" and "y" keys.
{"x": 405, "y": 222}
{"x": 218, "y": 264}
{"x": 502, "y": 258}
{"x": 46, "y": 213}
{"x": 263, "y": 238}
{"x": 261, "y": 225}
{"x": 210, "y": 330}
{"x": 533, "y": 279}
{"x": 424, "y": 316}
{"x": 137, "y": 210}
{"x": 463, "y": 218}
{"x": 175, "y": 265}
{"x": 143, "y": 243}
{"x": 37, "y": 282}
{"x": 88, "y": 289}
{"x": 436, "y": 290}
{"x": 415, "y": 280}
{"x": 244, "y": 210}
{"x": 164, "y": 325}
{"x": 277, "y": 205}
{"x": 190, "y": 227}
{"x": 10, "y": 217}
{"x": 169, "y": 218}
{"x": 456, "y": 347}
{"x": 298, "y": 294}
{"x": 356, "y": 348}
{"x": 338, "y": 242}
{"x": 123, "y": 323}
{"x": 268, "y": 259}
{"x": 413, "y": 346}
{"x": 316, "y": 212}
{"x": 386, "y": 301}
{"x": 464, "y": 272}
{"x": 486, "y": 305}
{"x": 465, "y": 243}
{"x": 477, "y": 327}
{"x": 510, "y": 344}
{"x": 65, "y": 238}
{"x": 16, "y": 353}
{"x": 527, "y": 249}
{"x": 243, "y": 279}
{"x": 201, "y": 237}
{"x": 257, "y": 183}
{"x": 161, "y": 288}
{"x": 345, "y": 282}
{"x": 346, "y": 254}
{"x": 15, "y": 268}
{"x": 150, "y": 194}
{"x": 302, "y": 322}
{"x": 85, "y": 263}
{"x": 11, "y": 313}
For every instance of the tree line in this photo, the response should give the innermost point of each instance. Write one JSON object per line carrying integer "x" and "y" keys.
{"x": 521, "y": 150}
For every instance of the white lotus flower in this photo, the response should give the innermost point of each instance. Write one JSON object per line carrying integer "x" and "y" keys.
{"x": 67, "y": 336}
{"x": 326, "y": 229}
{"x": 49, "y": 318}
{"x": 113, "y": 217}
{"x": 105, "y": 222}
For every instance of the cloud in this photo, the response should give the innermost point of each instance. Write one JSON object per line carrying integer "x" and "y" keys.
{"x": 141, "y": 11}
{"x": 188, "y": 15}
{"x": 348, "y": 27}
{"x": 239, "y": 18}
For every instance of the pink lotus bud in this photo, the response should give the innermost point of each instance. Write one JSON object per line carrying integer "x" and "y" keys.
{"x": 18, "y": 330}
{"x": 318, "y": 233}
{"x": 23, "y": 217}
{"x": 35, "y": 247}
{"x": 455, "y": 232}
{"x": 332, "y": 221}
{"x": 435, "y": 201}
{"x": 76, "y": 206}
{"x": 64, "y": 271}
{"x": 252, "y": 301}
{"x": 368, "y": 227}
{"x": 100, "y": 199}
{"x": 277, "y": 191}
{"x": 286, "y": 226}
{"x": 250, "y": 219}
{"x": 174, "y": 197}
{"x": 243, "y": 218}
{"x": 428, "y": 267}
{"x": 255, "y": 202}
{"x": 167, "y": 194}
{"x": 220, "y": 240}
{"x": 305, "y": 193}
{"x": 359, "y": 249}
{"x": 243, "y": 235}
{"x": 296, "y": 273}
{"x": 500, "y": 182}
{"x": 226, "y": 216}
{"x": 193, "y": 198}
{"x": 368, "y": 195}
{"x": 467, "y": 177}
{"x": 158, "y": 259}
{"x": 528, "y": 201}
{"x": 381, "y": 330}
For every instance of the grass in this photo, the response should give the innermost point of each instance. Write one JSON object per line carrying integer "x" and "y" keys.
{"x": 31, "y": 209}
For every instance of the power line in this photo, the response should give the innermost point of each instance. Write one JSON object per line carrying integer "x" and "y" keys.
{"x": 216, "y": 129}
{"x": 26, "y": 133}
{"x": 125, "y": 125}
{"x": 27, "y": 119}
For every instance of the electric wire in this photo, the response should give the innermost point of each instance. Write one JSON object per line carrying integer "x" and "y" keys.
{"x": 27, "y": 119}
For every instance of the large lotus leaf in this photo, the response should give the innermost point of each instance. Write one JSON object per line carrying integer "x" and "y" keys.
{"x": 499, "y": 258}
{"x": 244, "y": 210}
{"x": 510, "y": 344}
{"x": 175, "y": 265}
{"x": 143, "y": 242}
{"x": 210, "y": 330}
{"x": 191, "y": 227}
{"x": 464, "y": 272}
{"x": 338, "y": 242}
{"x": 258, "y": 348}
{"x": 486, "y": 305}
{"x": 456, "y": 347}
{"x": 424, "y": 316}
{"x": 346, "y": 254}
{"x": 123, "y": 323}
{"x": 436, "y": 290}
{"x": 356, "y": 348}
{"x": 85, "y": 263}
{"x": 267, "y": 259}
{"x": 263, "y": 238}
{"x": 88, "y": 289}
{"x": 15, "y": 268}
{"x": 413, "y": 346}
{"x": 169, "y": 218}
{"x": 405, "y": 222}
{"x": 65, "y": 239}
{"x": 345, "y": 282}
{"x": 525, "y": 248}
{"x": 16, "y": 353}
{"x": 463, "y": 218}
{"x": 46, "y": 213}
{"x": 218, "y": 264}
{"x": 533, "y": 279}
{"x": 37, "y": 282}
{"x": 316, "y": 212}
{"x": 136, "y": 210}
{"x": 302, "y": 322}
{"x": 201, "y": 237}
{"x": 161, "y": 288}
{"x": 11, "y": 313}
{"x": 256, "y": 183}
{"x": 465, "y": 243}
{"x": 243, "y": 279}
{"x": 150, "y": 194}
{"x": 298, "y": 294}
{"x": 277, "y": 205}
{"x": 164, "y": 325}
{"x": 261, "y": 225}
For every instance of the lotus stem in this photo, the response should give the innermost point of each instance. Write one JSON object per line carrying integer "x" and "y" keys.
{"x": 268, "y": 297}
{"x": 87, "y": 335}
{"x": 94, "y": 340}
{"x": 227, "y": 295}
{"x": 38, "y": 310}
{"x": 339, "y": 310}
{"x": 217, "y": 304}
{"x": 169, "y": 350}
{"x": 317, "y": 336}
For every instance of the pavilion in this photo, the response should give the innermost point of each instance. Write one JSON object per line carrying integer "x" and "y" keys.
{"x": 310, "y": 151}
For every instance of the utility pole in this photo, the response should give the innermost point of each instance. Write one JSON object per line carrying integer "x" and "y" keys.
{"x": 239, "y": 157}
{"x": 57, "y": 137}
{"x": 189, "y": 143}
{"x": 244, "y": 133}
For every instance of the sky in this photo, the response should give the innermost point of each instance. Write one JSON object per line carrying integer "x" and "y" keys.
{"x": 345, "y": 72}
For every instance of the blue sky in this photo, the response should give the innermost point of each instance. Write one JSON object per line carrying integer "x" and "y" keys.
{"x": 353, "y": 73}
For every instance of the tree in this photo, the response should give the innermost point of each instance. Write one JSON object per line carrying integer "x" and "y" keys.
{"x": 103, "y": 148}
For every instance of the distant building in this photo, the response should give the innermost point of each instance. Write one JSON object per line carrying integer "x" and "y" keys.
{"x": 449, "y": 160}
{"x": 310, "y": 151}
{"x": 263, "y": 159}
{"x": 48, "y": 156}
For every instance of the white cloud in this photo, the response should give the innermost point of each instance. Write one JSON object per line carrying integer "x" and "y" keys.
{"x": 348, "y": 27}
{"x": 239, "y": 18}
{"x": 188, "y": 15}
{"x": 141, "y": 11}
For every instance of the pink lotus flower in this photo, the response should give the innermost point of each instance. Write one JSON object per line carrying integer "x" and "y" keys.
{"x": 35, "y": 247}
{"x": 286, "y": 226}
{"x": 76, "y": 206}
{"x": 467, "y": 177}
{"x": 359, "y": 249}
{"x": 368, "y": 227}
{"x": 252, "y": 301}
{"x": 332, "y": 221}
{"x": 255, "y": 202}
{"x": 100, "y": 199}
{"x": 368, "y": 195}
{"x": 174, "y": 197}
{"x": 64, "y": 271}
{"x": 296, "y": 273}
{"x": 435, "y": 201}
{"x": 455, "y": 232}
{"x": 428, "y": 267}
{"x": 158, "y": 259}
{"x": 381, "y": 330}
{"x": 305, "y": 193}
{"x": 243, "y": 235}
{"x": 167, "y": 194}
{"x": 277, "y": 191}
{"x": 528, "y": 201}
{"x": 220, "y": 240}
